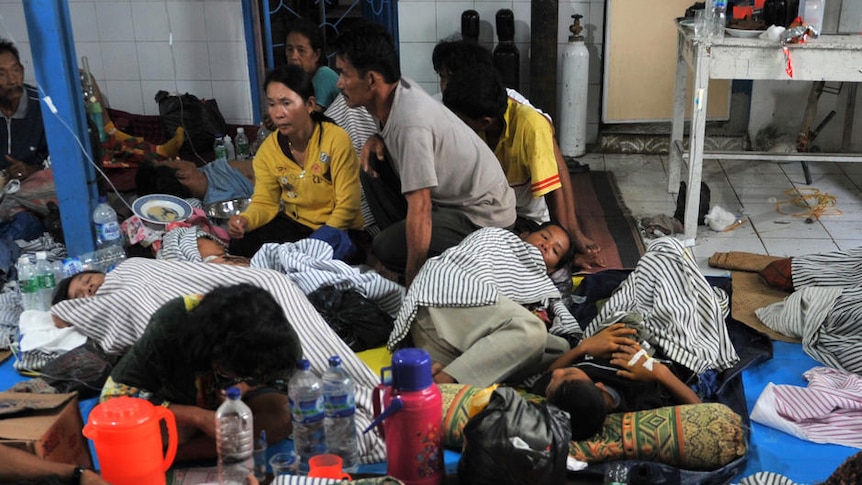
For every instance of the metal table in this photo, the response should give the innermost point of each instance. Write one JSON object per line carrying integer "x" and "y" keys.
{"x": 828, "y": 58}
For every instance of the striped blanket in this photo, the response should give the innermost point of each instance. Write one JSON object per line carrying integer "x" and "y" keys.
{"x": 117, "y": 316}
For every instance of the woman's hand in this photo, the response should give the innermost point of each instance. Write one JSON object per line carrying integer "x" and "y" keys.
{"x": 609, "y": 340}
{"x": 236, "y": 226}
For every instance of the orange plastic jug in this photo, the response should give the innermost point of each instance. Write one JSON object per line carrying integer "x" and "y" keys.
{"x": 128, "y": 440}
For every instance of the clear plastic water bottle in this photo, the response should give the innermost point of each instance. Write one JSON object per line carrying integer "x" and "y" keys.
{"x": 234, "y": 439}
{"x": 45, "y": 277}
{"x": 307, "y": 411}
{"x": 28, "y": 284}
{"x": 262, "y": 133}
{"x": 242, "y": 149}
{"x": 219, "y": 148}
{"x": 107, "y": 227}
{"x": 716, "y": 12}
{"x": 231, "y": 151}
{"x": 340, "y": 407}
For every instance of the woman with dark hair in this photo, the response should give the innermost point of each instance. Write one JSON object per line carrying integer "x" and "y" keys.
{"x": 197, "y": 346}
{"x": 306, "y": 174}
{"x": 303, "y": 47}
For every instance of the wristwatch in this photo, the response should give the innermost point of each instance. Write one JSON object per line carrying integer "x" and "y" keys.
{"x": 76, "y": 475}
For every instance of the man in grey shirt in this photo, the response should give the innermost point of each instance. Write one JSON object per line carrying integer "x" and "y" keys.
{"x": 451, "y": 180}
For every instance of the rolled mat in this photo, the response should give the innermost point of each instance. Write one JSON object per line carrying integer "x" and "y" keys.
{"x": 741, "y": 261}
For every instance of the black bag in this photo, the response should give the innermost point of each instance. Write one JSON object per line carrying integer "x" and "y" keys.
{"x": 201, "y": 120}
{"x": 84, "y": 369}
{"x": 356, "y": 319}
{"x": 491, "y": 457}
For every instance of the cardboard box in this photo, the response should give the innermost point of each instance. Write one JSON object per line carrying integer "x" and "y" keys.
{"x": 47, "y": 425}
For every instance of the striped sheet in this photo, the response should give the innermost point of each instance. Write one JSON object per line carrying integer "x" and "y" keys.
{"x": 766, "y": 478}
{"x": 360, "y": 126}
{"x": 309, "y": 264}
{"x": 682, "y": 310}
{"x": 486, "y": 262}
{"x": 117, "y": 316}
{"x": 835, "y": 268}
{"x": 829, "y": 410}
{"x": 826, "y": 319}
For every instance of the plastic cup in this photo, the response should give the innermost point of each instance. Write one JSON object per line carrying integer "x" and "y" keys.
{"x": 284, "y": 464}
{"x": 326, "y": 465}
{"x": 700, "y": 23}
{"x": 259, "y": 455}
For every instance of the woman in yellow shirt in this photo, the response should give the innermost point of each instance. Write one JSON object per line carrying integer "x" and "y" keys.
{"x": 306, "y": 174}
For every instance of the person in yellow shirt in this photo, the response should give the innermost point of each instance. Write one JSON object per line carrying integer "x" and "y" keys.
{"x": 522, "y": 139}
{"x": 306, "y": 174}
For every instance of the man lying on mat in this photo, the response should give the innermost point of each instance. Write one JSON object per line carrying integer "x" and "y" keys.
{"x": 468, "y": 306}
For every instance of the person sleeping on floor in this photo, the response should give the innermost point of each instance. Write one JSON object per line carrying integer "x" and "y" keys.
{"x": 118, "y": 315}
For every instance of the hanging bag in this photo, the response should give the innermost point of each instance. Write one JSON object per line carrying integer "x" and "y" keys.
{"x": 201, "y": 120}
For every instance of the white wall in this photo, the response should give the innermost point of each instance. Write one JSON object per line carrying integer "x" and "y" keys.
{"x": 129, "y": 49}
{"x": 423, "y": 23}
{"x": 127, "y": 45}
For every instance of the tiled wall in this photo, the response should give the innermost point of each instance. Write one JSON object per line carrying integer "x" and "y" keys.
{"x": 422, "y": 23}
{"x": 136, "y": 48}
{"x": 127, "y": 43}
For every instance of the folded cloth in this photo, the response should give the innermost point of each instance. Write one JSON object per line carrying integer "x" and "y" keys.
{"x": 38, "y": 332}
{"x": 741, "y": 261}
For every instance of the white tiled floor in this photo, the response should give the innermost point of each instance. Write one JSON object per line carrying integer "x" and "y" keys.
{"x": 756, "y": 192}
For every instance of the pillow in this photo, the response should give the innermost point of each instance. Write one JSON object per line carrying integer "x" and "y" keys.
{"x": 694, "y": 437}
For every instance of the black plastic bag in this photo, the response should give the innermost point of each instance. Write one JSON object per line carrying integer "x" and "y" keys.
{"x": 84, "y": 369}
{"x": 356, "y": 319}
{"x": 201, "y": 120}
{"x": 491, "y": 455}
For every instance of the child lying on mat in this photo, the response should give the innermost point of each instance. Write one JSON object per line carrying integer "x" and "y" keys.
{"x": 466, "y": 307}
{"x": 609, "y": 372}
{"x": 671, "y": 307}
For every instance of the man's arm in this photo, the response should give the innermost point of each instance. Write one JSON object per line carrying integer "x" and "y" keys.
{"x": 18, "y": 465}
{"x": 636, "y": 371}
{"x": 418, "y": 229}
{"x": 602, "y": 344}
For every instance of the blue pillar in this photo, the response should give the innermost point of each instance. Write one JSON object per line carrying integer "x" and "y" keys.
{"x": 56, "y": 69}
{"x": 249, "y": 20}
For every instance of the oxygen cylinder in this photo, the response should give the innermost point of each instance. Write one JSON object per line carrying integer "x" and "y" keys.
{"x": 572, "y": 134}
{"x": 507, "y": 58}
{"x": 470, "y": 26}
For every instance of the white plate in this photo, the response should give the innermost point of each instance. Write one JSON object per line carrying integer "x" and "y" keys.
{"x": 743, "y": 32}
{"x": 161, "y": 208}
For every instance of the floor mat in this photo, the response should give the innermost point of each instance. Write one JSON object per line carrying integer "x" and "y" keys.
{"x": 605, "y": 218}
{"x": 749, "y": 294}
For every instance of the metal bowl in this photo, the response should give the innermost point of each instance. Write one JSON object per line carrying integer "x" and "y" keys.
{"x": 227, "y": 208}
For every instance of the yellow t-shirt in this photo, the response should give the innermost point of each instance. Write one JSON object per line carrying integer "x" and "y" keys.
{"x": 526, "y": 150}
{"x": 325, "y": 191}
